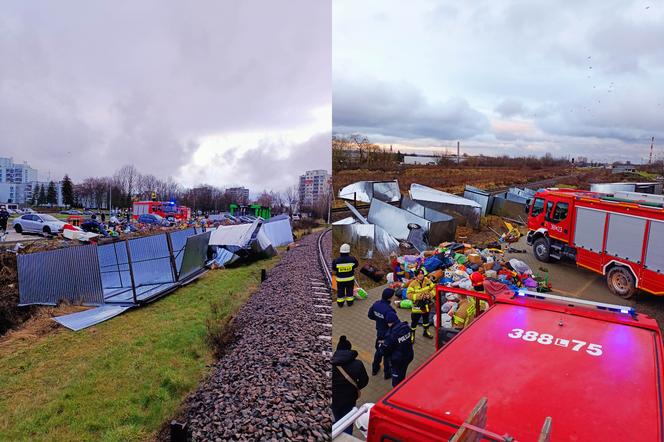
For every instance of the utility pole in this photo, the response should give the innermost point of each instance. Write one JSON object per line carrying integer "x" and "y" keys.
{"x": 652, "y": 144}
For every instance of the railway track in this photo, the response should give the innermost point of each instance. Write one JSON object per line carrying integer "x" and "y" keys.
{"x": 273, "y": 381}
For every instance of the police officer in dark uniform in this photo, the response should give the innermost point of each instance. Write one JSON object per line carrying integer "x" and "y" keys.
{"x": 382, "y": 311}
{"x": 398, "y": 347}
{"x": 4, "y": 217}
{"x": 344, "y": 267}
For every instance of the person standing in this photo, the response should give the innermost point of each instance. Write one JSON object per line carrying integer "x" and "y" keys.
{"x": 4, "y": 217}
{"x": 348, "y": 377}
{"x": 420, "y": 292}
{"x": 344, "y": 268}
{"x": 382, "y": 311}
{"x": 398, "y": 348}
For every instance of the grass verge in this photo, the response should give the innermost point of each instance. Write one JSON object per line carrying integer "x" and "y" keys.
{"x": 122, "y": 379}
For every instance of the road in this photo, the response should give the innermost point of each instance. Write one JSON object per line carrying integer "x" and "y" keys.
{"x": 569, "y": 280}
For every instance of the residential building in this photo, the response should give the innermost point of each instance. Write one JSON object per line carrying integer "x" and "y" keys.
{"x": 239, "y": 195}
{"x": 314, "y": 185}
{"x": 17, "y": 181}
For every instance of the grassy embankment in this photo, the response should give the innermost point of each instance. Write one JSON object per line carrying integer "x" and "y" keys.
{"x": 121, "y": 379}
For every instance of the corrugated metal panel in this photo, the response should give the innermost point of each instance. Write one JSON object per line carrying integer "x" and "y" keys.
{"x": 113, "y": 265}
{"x": 195, "y": 255}
{"x": 65, "y": 274}
{"x": 150, "y": 260}
{"x": 179, "y": 240}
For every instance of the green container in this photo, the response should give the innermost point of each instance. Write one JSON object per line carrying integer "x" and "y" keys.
{"x": 361, "y": 293}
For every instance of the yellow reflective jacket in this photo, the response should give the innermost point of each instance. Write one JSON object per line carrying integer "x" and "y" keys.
{"x": 420, "y": 291}
{"x": 465, "y": 313}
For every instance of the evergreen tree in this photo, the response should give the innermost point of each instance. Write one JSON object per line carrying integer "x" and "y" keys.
{"x": 51, "y": 194}
{"x": 41, "y": 199}
{"x": 35, "y": 196}
{"x": 67, "y": 191}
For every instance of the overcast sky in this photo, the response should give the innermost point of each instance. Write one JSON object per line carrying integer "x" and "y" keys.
{"x": 218, "y": 92}
{"x": 503, "y": 77}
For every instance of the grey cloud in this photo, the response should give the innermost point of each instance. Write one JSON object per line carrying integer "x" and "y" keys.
{"x": 401, "y": 111}
{"x": 510, "y": 108}
{"x": 139, "y": 82}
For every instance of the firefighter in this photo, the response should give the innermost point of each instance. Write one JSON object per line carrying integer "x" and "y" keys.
{"x": 397, "y": 347}
{"x": 420, "y": 292}
{"x": 348, "y": 377}
{"x": 344, "y": 268}
{"x": 465, "y": 312}
{"x": 382, "y": 311}
{"x": 4, "y": 217}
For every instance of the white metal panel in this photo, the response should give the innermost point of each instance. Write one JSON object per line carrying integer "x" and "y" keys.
{"x": 589, "y": 229}
{"x": 625, "y": 237}
{"x": 655, "y": 253}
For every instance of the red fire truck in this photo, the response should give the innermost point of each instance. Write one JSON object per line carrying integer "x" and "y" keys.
{"x": 166, "y": 209}
{"x": 533, "y": 367}
{"x": 618, "y": 235}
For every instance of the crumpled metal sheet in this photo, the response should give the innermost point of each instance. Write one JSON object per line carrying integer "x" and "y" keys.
{"x": 442, "y": 226}
{"x": 468, "y": 210}
{"x": 365, "y": 191}
{"x": 238, "y": 236}
{"x": 482, "y": 197}
{"x": 365, "y": 239}
{"x": 87, "y": 318}
{"x": 394, "y": 220}
{"x": 224, "y": 257}
{"x": 344, "y": 221}
{"x": 279, "y": 232}
{"x": 357, "y": 214}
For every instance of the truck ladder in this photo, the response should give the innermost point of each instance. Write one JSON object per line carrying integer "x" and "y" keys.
{"x": 472, "y": 430}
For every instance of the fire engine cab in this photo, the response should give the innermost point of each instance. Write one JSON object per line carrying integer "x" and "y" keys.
{"x": 532, "y": 367}
{"x": 618, "y": 235}
{"x": 166, "y": 209}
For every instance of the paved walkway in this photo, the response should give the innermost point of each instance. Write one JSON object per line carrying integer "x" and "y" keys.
{"x": 360, "y": 330}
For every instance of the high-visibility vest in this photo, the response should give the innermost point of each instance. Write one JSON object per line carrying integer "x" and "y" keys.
{"x": 465, "y": 314}
{"x": 416, "y": 291}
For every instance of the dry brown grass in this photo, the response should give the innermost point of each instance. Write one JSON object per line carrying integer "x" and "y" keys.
{"x": 39, "y": 324}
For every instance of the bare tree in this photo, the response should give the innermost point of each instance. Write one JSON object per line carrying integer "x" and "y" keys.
{"x": 292, "y": 197}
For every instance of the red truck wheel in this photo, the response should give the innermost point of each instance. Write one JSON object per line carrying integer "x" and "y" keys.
{"x": 541, "y": 249}
{"x": 621, "y": 282}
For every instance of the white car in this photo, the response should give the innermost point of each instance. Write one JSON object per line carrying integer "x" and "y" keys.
{"x": 38, "y": 223}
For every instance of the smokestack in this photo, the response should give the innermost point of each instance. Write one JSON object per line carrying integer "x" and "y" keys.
{"x": 458, "y": 153}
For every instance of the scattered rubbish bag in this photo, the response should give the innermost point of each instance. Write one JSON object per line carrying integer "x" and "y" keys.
{"x": 520, "y": 266}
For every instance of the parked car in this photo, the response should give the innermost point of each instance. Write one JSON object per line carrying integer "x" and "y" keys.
{"x": 38, "y": 223}
{"x": 151, "y": 218}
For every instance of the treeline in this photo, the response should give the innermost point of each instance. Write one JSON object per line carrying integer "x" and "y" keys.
{"x": 358, "y": 152}
{"x": 128, "y": 185}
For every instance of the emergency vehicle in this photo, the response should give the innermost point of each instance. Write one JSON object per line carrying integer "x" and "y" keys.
{"x": 166, "y": 209}
{"x": 619, "y": 235}
{"x": 532, "y": 367}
